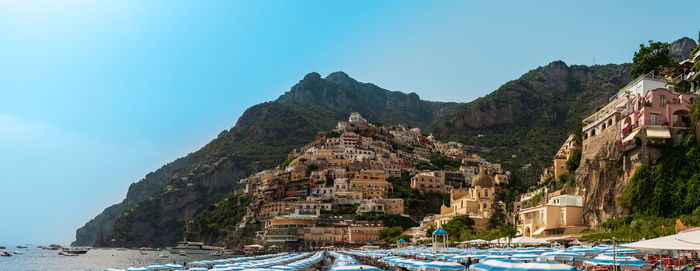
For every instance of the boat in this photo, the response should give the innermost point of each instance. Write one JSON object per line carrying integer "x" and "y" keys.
{"x": 182, "y": 253}
{"x": 3, "y": 247}
{"x": 143, "y": 253}
{"x": 5, "y": 254}
{"x": 17, "y": 252}
{"x": 21, "y": 246}
{"x": 162, "y": 255}
{"x": 191, "y": 248}
{"x": 67, "y": 254}
{"x": 75, "y": 250}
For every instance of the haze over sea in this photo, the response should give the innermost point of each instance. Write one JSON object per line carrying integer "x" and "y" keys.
{"x": 36, "y": 259}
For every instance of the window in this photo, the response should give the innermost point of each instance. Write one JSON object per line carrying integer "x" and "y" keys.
{"x": 654, "y": 119}
{"x": 662, "y": 100}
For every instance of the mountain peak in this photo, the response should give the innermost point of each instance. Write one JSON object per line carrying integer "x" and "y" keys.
{"x": 312, "y": 76}
{"x": 680, "y": 49}
{"x": 338, "y": 75}
{"x": 557, "y": 65}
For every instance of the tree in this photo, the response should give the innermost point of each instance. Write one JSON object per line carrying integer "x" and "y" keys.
{"x": 655, "y": 57}
{"x": 574, "y": 160}
{"x": 498, "y": 216}
{"x": 390, "y": 234}
{"x": 429, "y": 231}
{"x": 459, "y": 226}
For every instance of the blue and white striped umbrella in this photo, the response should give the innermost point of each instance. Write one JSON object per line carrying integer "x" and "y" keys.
{"x": 525, "y": 257}
{"x": 544, "y": 266}
{"x": 136, "y": 268}
{"x": 198, "y": 269}
{"x": 282, "y": 267}
{"x": 585, "y": 251}
{"x": 562, "y": 256}
{"x": 441, "y": 265}
{"x": 355, "y": 267}
{"x": 462, "y": 258}
{"x": 500, "y": 264}
{"x": 171, "y": 266}
{"x": 619, "y": 260}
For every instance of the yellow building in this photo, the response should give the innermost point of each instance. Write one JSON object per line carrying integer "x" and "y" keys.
{"x": 277, "y": 208}
{"x": 562, "y": 156}
{"x": 429, "y": 181}
{"x": 559, "y": 215}
{"x": 475, "y": 202}
{"x": 320, "y": 236}
{"x": 372, "y": 183}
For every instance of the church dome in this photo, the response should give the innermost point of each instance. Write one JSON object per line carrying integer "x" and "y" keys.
{"x": 482, "y": 179}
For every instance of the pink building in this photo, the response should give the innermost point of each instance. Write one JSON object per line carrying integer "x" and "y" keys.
{"x": 658, "y": 110}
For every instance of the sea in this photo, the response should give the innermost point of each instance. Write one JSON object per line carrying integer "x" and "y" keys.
{"x": 37, "y": 259}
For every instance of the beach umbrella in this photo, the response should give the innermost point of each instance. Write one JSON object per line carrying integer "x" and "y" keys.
{"x": 561, "y": 256}
{"x": 585, "y": 251}
{"x": 172, "y": 266}
{"x": 630, "y": 251}
{"x": 685, "y": 240}
{"x": 282, "y": 267}
{"x": 136, "y": 268}
{"x": 544, "y": 266}
{"x": 198, "y": 269}
{"x": 525, "y": 257}
{"x": 355, "y": 267}
{"x": 441, "y": 265}
{"x": 619, "y": 260}
{"x": 157, "y": 267}
{"x": 501, "y": 264}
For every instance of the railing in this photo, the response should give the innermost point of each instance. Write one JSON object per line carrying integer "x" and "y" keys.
{"x": 650, "y": 75}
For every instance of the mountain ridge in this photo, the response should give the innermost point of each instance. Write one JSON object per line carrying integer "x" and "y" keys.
{"x": 315, "y": 104}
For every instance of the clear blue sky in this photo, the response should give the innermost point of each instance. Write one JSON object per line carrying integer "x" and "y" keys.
{"x": 95, "y": 94}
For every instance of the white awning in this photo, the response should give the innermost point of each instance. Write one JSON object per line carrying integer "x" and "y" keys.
{"x": 538, "y": 231}
{"x": 685, "y": 240}
{"x": 630, "y": 136}
{"x": 658, "y": 133}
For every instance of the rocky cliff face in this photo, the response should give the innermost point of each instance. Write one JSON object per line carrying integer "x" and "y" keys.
{"x": 680, "y": 49}
{"x": 600, "y": 178}
{"x": 260, "y": 140}
{"x": 98, "y": 229}
{"x": 525, "y": 120}
{"x": 342, "y": 94}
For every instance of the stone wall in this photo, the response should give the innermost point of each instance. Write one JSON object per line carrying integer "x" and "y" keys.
{"x": 598, "y": 178}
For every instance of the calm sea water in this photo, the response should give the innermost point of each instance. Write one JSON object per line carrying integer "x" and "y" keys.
{"x": 35, "y": 259}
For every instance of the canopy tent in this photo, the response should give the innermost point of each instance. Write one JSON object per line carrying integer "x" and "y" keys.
{"x": 439, "y": 231}
{"x": 685, "y": 240}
